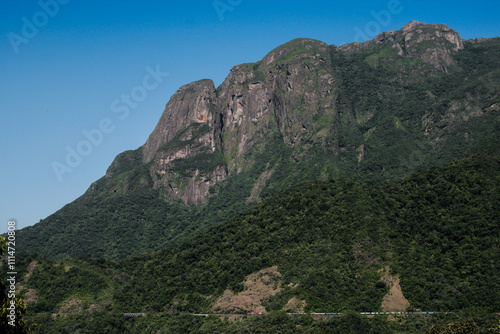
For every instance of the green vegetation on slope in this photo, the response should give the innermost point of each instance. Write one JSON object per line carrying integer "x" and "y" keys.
{"x": 438, "y": 230}
{"x": 409, "y": 121}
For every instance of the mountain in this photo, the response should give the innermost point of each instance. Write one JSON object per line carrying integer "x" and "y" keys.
{"x": 405, "y": 101}
{"x": 428, "y": 242}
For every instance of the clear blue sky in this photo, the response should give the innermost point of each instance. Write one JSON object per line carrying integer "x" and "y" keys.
{"x": 63, "y": 64}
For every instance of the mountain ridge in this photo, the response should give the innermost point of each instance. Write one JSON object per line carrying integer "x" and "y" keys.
{"x": 239, "y": 104}
{"x": 306, "y": 111}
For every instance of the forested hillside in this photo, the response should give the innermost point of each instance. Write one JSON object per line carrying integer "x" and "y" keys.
{"x": 332, "y": 243}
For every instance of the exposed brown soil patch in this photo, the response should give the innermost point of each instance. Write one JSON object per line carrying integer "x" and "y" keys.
{"x": 31, "y": 267}
{"x": 29, "y": 271}
{"x": 258, "y": 287}
{"x": 361, "y": 153}
{"x": 394, "y": 300}
{"x": 31, "y": 296}
{"x": 71, "y": 307}
{"x": 96, "y": 307}
{"x": 295, "y": 305}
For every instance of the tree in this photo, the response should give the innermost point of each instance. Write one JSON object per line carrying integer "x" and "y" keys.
{"x": 463, "y": 327}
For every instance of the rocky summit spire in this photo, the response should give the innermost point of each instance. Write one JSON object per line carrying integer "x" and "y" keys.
{"x": 192, "y": 103}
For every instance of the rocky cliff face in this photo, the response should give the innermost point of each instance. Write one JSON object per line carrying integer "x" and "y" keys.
{"x": 302, "y": 80}
{"x": 288, "y": 90}
{"x": 205, "y": 134}
{"x": 433, "y": 44}
{"x": 192, "y": 103}
{"x": 187, "y": 132}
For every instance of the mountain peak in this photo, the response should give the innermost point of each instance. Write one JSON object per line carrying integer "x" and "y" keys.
{"x": 411, "y": 25}
{"x": 297, "y": 49}
{"x": 433, "y": 44}
{"x": 191, "y": 103}
{"x": 426, "y": 31}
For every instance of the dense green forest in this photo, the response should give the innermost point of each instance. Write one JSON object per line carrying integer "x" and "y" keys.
{"x": 436, "y": 229}
{"x": 276, "y": 322}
